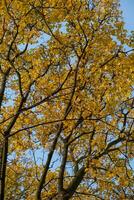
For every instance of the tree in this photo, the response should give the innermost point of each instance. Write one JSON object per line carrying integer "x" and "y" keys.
{"x": 66, "y": 100}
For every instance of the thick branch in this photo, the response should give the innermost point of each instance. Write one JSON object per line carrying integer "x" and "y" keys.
{"x": 46, "y": 168}
{"x": 3, "y": 85}
{"x": 75, "y": 183}
{"x": 62, "y": 167}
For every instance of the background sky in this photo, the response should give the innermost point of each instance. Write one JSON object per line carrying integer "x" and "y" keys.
{"x": 127, "y": 6}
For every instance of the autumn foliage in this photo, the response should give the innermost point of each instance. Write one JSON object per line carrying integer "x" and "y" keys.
{"x": 66, "y": 101}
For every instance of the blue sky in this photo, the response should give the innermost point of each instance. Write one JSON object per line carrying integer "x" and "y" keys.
{"x": 127, "y": 6}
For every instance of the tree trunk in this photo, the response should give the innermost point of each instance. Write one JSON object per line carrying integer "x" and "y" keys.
{"x": 4, "y": 151}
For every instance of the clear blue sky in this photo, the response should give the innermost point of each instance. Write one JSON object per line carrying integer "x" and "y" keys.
{"x": 127, "y": 6}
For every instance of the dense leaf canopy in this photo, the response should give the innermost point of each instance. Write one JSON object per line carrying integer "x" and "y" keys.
{"x": 66, "y": 101}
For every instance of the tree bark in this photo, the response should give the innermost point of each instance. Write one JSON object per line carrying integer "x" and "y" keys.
{"x": 3, "y": 168}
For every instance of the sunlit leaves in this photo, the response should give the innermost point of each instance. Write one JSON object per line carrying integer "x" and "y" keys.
{"x": 66, "y": 97}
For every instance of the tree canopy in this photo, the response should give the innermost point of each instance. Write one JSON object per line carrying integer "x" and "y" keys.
{"x": 66, "y": 101}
